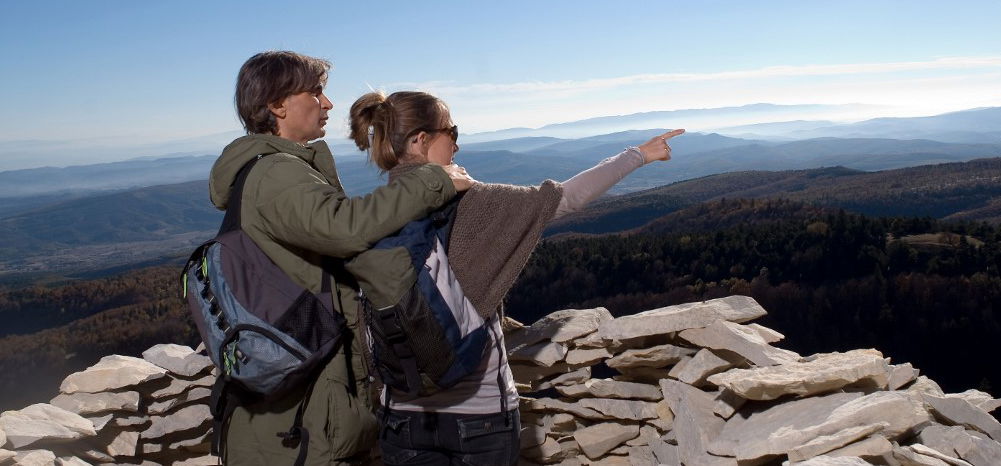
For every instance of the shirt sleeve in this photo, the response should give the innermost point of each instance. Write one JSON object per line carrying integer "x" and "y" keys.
{"x": 587, "y": 185}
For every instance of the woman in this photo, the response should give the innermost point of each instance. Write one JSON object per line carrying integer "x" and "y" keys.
{"x": 294, "y": 209}
{"x": 496, "y": 228}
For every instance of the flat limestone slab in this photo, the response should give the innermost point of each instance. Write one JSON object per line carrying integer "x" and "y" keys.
{"x": 657, "y": 356}
{"x": 978, "y": 398}
{"x": 550, "y": 405}
{"x": 749, "y": 432}
{"x": 560, "y": 326}
{"x": 630, "y": 410}
{"x": 730, "y": 336}
{"x": 178, "y": 386}
{"x": 834, "y": 461}
{"x": 702, "y": 365}
{"x": 183, "y": 419}
{"x": 681, "y": 317}
{"x": 544, "y": 353}
{"x": 875, "y": 446}
{"x": 178, "y": 359}
{"x": 35, "y": 458}
{"x": 608, "y": 388}
{"x": 111, "y": 373}
{"x": 898, "y": 413}
{"x": 695, "y": 424}
{"x": 962, "y": 412}
{"x": 826, "y": 443}
{"x": 598, "y": 439}
{"x": 824, "y": 373}
{"x": 43, "y": 422}
{"x": 91, "y": 403}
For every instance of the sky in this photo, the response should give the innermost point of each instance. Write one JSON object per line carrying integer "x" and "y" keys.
{"x": 118, "y": 74}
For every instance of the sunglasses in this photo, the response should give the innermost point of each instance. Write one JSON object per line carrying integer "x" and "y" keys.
{"x": 453, "y": 132}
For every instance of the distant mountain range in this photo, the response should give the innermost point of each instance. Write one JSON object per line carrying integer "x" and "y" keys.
{"x": 951, "y": 191}
{"x": 968, "y": 126}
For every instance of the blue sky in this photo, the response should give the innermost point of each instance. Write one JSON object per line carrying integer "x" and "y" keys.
{"x": 121, "y": 72}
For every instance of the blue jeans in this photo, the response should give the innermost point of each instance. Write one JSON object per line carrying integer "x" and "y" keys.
{"x": 413, "y": 438}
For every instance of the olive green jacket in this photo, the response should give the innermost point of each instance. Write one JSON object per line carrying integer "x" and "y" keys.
{"x": 295, "y": 209}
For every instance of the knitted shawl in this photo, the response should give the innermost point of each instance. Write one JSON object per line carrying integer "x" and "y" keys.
{"x": 497, "y": 226}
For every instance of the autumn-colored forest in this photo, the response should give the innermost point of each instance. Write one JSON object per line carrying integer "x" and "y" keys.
{"x": 918, "y": 289}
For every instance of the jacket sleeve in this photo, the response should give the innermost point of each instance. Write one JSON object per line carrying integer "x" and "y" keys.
{"x": 299, "y": 208}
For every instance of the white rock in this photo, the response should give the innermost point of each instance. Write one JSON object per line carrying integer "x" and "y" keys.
{"x": 875, "y": 446}
{"x": 180, "y": 360}
{"x": 194, "y": 395}
{"x": 681, "y": 317}
{"x": 924, "y": 450}
{"x": 825, "y": 443}
{"x": 101, "y": 421}
{"x": 550, "y": 405}
{"x": 6, "y": 454}
{"x": 694, "y": 423}
{"x": 834, "y": 461}
{"x": 640, "y": 456}
{"x": 723, "y": 335}
{"x": 35, "y": 458}
{"x": 3, "y": 437}
{"x": 205, "y": 460}
{"x": 532, "y": 435}
{"x": 657, "y": 356}
{"x": 587, "y": 356}
{"x": 598, "y": 439}
{"x": 111, "y": 373}
{"x": 925, "y": 386}
{"x": 631, "y": 410}
{"x": 186, "y": 418}
{"x": 71, "y": 461}
{"x": 608, "y": 388}
{"x": 178, "y": 386}
{"x": 901, "y": 413}
{"x": 43, "y": 422}
{"x": 560, "y": 326}
{"x": 531, "y": 373}
{"x": 978, "y": 398}
{"x": 908, "y": 457}
{"x": 962, "y": 412}
{"x": 727, "y": 403}
{"x": 957, "y": 441}
{"x": 545, "y": 353}
{"x": 548, "y": 451}
{"x": 573, "y": 391}
{"x": 824, "y": 373}
{"x": 578, "y": 376}
{"x": 767, "y": 334}
{"x": 902, "y": 374}
{"x": 702, "y": 365}
{"x": 91, "y": 403}
{"x": 749, "y": 433}
{"x": 124, "y": 444}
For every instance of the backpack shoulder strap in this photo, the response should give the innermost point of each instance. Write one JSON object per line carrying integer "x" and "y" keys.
{"x": 231, "y": 221}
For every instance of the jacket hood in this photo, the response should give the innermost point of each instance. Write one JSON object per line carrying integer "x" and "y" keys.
{"x": 245, "y": 149}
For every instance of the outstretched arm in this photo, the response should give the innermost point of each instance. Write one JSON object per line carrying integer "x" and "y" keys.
{"x": 587, "y": 185}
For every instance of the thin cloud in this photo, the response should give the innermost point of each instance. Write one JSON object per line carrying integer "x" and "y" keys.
{"x": 941, "y": 64}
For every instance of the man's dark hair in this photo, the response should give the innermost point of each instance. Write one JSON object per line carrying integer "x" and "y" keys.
{"x": 269, "y": 77}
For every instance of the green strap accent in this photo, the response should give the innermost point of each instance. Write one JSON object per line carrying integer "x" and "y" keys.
{"x": 184, "y": 286}
{"x": 205, "y": 266}
{"x": 229, "y": 358}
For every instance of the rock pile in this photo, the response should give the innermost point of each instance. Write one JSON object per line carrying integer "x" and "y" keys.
{"x": 122, "y": 410}
{"x": 692, "y": 384}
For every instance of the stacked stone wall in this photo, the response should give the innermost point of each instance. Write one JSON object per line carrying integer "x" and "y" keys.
{"x": 693, "y": 384}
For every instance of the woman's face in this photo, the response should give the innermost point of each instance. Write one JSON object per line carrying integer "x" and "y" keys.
{"x": 302, "y": 116}
{"x": 443, "y": 145}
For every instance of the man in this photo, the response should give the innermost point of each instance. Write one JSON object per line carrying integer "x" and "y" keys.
{"x": 295, "y": 210}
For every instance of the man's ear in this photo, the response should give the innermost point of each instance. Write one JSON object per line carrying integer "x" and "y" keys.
{"x": 278, "y": 108}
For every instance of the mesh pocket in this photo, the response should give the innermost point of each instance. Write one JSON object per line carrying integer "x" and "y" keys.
{"x": 309, "y": 322}
{"x": 424, "y": 335}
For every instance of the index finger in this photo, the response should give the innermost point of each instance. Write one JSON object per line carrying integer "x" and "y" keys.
{"x": 673, "y": 133}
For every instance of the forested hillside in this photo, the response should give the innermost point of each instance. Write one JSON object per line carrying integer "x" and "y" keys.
{"x": 919, "y": 289}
